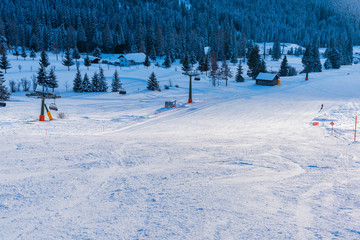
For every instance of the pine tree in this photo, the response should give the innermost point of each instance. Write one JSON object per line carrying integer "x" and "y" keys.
{"x": 147, "y": 61}
{"x": 284, "y": 67}
{"x": 52, "y": 79}
{"x": 44, "y": 59}
{"x": 327, "y": 64}
{"x": 87, "y": 62}
{"x": 16, "y": 53}
{"x": 68, "y": 61}
{"x": 335, "y": 58}
{"x": 238, "y": 77}
{"x": 95, "y": 83}
{"x": 307, "y": 60}
{"x": 102, "y": 80}
{"x": 4, "y": 63}
{"x": 153, "y": 83}
{"x": 254, "y": 62}
{"x": 33, "y": 54}
{"x": 316, "y": 65}
{"x": 263, "y": 66}
{"x": 42, "y": 79}
{"x": 86, "y": 85}
{"x": 206, "y": 65}
{"x": 97, "y": 52}
{"x": 186, "y": 63}
{"x": 116, "y": 83}
{"x": 167, "y": 61}
{"x": 233, "y": 59}
{"x": 76, "y": 54}
{"x": 4, "y": 92}
{"x": 78, "y": 86}
{"x": 276, "y": 51}
{"x": 23, "y": 53}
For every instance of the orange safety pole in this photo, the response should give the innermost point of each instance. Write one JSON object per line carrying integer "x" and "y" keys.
{"x": 355, "y": 128}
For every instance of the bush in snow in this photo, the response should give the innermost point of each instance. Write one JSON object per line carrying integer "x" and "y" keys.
{"x": 327, "y": 64}
{"x": 25, "y": 84}
{"x": 12, "y": 85}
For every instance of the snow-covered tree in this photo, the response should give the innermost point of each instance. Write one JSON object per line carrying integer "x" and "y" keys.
{"x": 225, "y": 71}
{"x": 42, "y": 78}
{"x": 86, "y": 85}
{"x": 284, "y": 67}
{"x": 68, "y": 61}
{"x": 327, "y": 64}
{"x": 78, "y": 85}
{"x": 97, "y": 52}
{"x": 276, "y": 51}
{"x": 52, "y": 80}
{"x": 239, "y": 77}
{"x": 147, "y": 61}
{"x": 254, "y": 62}
{"x": 153, "y": 83}
{"x": 116, "y": 83}
{"x": 44, "y": 59}
{"x": 186, "y": 63}
{"x": 76, "y": 54}
{"x": 4, "y": 63}
{"x": 95, "y": 82}
{"x": 102, "y": 81}
{"x": 23, "y": 53}
{"x": 4, "y": 92}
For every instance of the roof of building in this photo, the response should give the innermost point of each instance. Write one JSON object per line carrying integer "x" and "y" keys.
{"x": 136, "y": 57}
{"x": 266, "y": 76}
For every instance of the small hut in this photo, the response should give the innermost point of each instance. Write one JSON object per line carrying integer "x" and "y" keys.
{"x": 267, "y": 79}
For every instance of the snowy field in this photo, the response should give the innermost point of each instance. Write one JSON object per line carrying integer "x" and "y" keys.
{"x": 241, "y": 162}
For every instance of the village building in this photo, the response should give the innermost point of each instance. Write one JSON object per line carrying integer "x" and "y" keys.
{"x": 267, "y": 79}
{"x": 131, "y": 59}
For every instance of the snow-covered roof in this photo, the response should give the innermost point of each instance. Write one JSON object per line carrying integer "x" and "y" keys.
{"x": 136, "y": 57}
{"x": 266, "y": 76}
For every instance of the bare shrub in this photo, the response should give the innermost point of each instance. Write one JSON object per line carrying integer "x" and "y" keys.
{"x": 61, "y": 115}
{"x": 12, "y": 85}
{"x": 25, "y": 84}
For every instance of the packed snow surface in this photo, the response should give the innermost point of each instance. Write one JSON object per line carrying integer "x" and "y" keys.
{"x": 240, "y": 162}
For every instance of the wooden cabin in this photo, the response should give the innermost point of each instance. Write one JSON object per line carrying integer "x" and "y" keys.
{"x": 267, "y": 79}
{"x": 131, "y": 59}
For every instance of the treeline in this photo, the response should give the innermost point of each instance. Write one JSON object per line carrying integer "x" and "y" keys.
{"x": 170, "y": 27}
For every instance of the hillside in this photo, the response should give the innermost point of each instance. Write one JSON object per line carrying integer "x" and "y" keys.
{"x": 167, "y": 27}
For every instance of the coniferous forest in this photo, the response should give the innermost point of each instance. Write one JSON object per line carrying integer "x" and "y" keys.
{"x": 170, "y": 27}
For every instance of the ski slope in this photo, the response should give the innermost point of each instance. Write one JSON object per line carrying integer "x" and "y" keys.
{"x": 241, "y": 162}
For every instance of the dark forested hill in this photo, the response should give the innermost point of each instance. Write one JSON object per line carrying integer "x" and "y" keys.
{"x": 169, "y": 26}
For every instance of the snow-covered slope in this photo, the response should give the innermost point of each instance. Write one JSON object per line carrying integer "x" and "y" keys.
{"x": 241, "y": 162}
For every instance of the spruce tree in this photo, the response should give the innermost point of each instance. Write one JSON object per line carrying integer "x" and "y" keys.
{"x": 307, "y": 60}
{"x": 186, "y": 63}
{"x": 284, "y": 67}
{"x": 4, "y": 63}
{"x": 206, "y": 65}
{"x": 23, "y": 53}
{"x": 52, "y": 79}
{"x": 327, "y": 64}
{"x": 4, "y": 92}
{"x": 102, "y": 81}
{"x": 16, "y": 53}
{"x": 78, "y": 86}
{"x": 167, "y": 61}
{"x": 276, "y": 51}
{"x": 233, "y": 59}
{"x": 262, "y": 66}
{"x": 86, "y": 85}
{"x": 76, "y": 54}
{"x": 68, "y": 61}
{"x": 87, "y": 62}
{"x": 116, "y": 83}
{"x": 254, "y": 62}
{"x": 153, "y": 83}
{"x": 95, "y": 83}
{"x": 42, "y": 79}
{"x": 239, "y": 77}
{"x": 316, "y": 65}
{"x": 147, "y": 61}
{"x": 33, "y": 54}
{"x": 335, "y": 58}
{"x": 44, "y": 59}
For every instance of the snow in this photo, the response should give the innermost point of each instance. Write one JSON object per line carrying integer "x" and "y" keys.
{"x": 240, "y": 162}
{"x": 266, "y": 76}
{"x": 136, "y": 57}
